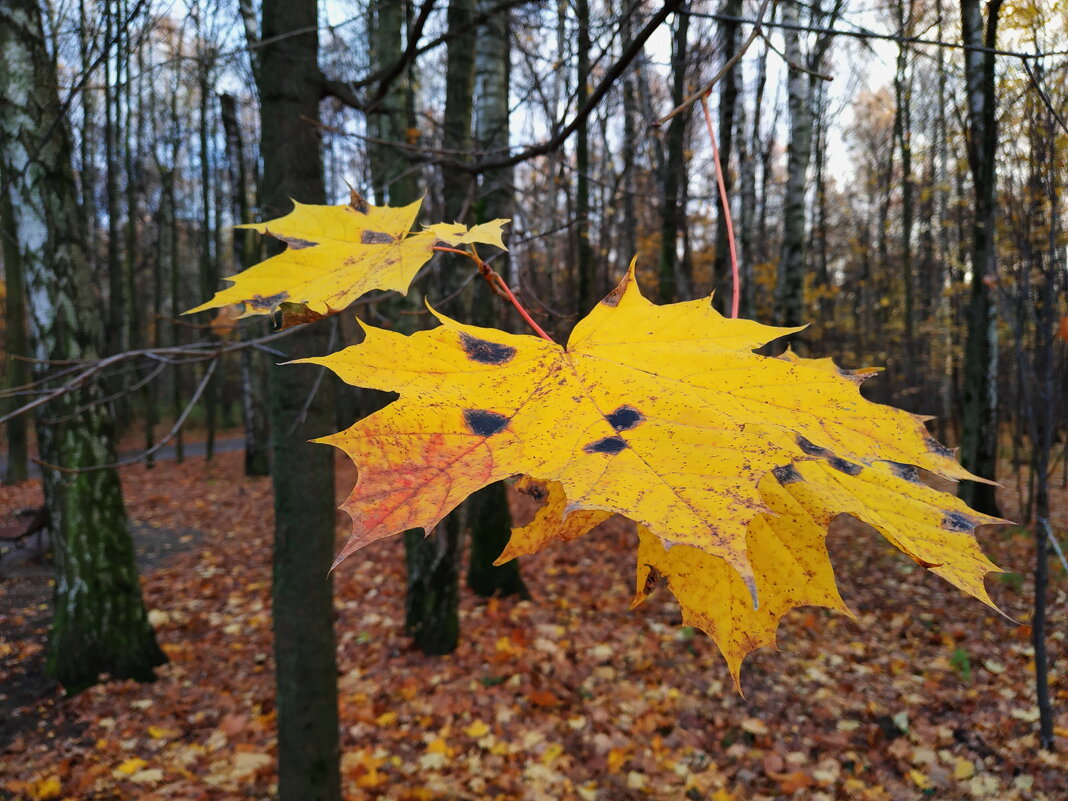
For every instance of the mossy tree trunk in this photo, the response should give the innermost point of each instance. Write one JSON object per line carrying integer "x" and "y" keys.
{"x": 100, "y": 626}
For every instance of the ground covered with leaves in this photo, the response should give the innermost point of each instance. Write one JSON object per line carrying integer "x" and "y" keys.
{"x": 928, "y": 693}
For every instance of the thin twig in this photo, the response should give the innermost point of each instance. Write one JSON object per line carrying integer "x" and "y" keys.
{"x": 693, "y": 97}
{"x": 725, "y": 203}
{"x": 146, "y": 453}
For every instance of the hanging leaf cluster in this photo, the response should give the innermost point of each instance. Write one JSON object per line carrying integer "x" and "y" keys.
{"x": 733, "y": 464}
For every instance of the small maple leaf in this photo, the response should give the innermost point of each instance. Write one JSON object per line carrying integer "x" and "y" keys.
{"x": 663, "y": 414}
{"x": 335, "y": 254}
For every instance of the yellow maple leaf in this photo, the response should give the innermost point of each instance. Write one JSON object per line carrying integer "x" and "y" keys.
{"x": 663, "y": 414}
{"x": 335, "y": 254}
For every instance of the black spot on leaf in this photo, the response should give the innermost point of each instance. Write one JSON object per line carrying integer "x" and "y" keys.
{"x": 787, "y": 474}
{"x": 484, "y": 423}
{"x": 375, "y": 238}
{"x": 610, "y": 445}
{"x": 955, "y": 521}
{"x": 843, "y": 466}
{"x": 811, "y": 448}
{"x": 624, "y": 418}
{"x": 479, "y": 350}
{"x": 905, "y": 471}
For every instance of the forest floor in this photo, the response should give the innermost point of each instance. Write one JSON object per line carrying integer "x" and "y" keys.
{"x": 927, "y": 694}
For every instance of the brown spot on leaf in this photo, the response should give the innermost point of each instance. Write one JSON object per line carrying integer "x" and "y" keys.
{"x": 268, "y": 302}
{"x": 296, "y": 243}
{"x": 787, "y": 474}
{"x": 905, "y": 471}
{"x": 613, "y": 297}
{"x": 357, "y": 202}
{"x": 376, "y": 238}
{"x": 484, "y": 352}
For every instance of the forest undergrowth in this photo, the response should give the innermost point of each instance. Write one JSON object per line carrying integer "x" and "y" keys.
{"x": 928, "y": 694}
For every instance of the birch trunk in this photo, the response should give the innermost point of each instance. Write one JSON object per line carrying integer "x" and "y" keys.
{"x": 100, "y": 624}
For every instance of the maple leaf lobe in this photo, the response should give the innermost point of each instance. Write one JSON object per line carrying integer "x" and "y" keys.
{"x": 485, "y": 424}
{"x": 484, "y": 352}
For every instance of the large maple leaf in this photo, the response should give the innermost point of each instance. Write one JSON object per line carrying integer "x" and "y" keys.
{"x": 335, "y": 254}
{"x": 663, "y": 414}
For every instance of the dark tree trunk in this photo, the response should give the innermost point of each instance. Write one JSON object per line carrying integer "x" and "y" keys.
{"x": 303, "y": 473}
{"x": 672, "y": 217}
{"x": 18, "y": 370}
{"x": 488, "y": 516}
{"x": 433, "y": 561}
{"x": 584, "y": 266}
{"x": 246, "y": 252}
{"x": 100, "y": 625}
{"x": 728, "y": 98}
{"x": 979, "y": 423}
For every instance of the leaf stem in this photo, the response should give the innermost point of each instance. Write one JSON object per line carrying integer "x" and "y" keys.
{"x": 498, "y": 286}
{"x": 725, "y": 203}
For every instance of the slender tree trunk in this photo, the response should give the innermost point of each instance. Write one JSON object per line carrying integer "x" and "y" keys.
{"x": 903, "y": 132}
{"x": 433, "y": 561}
{"x": 487, "y": 510}
{"x": 979, "y": 444}
{"x": 303, "y": 473}
{"x": 101, "y": 625}
{"x": 18, "y": 370}
{"x": 584, "y": 265}
{"x": 208, "y": 274}
{"x": 675, "y": 175}
{"x": 728, "y": 99}
{"x": 628, "y": 248}
{"x": 116, "y": 327}
{"x": 246, "y": 252}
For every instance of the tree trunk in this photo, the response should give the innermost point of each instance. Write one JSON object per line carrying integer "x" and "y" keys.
{"x": 728, "y": 98}
{"x": 671, "y": 217}
{"x": 246, "y": 252}
{"x": 100, "y": 625}
{"x": 303, "y": 472}
{"x": 586, "y": 287}
{"x": 18, "y": 371}
{"x": 433, "y": 561}
{"x": 979, "y": 419}
{"x": 487, "y": 510}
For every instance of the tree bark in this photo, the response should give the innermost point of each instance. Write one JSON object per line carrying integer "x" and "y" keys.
{"x": 487, "y": 511}
{"x": 979, "y": 419}
{"x": 584, "y": 266}
{"x": 728, "y": 98}
{"x": 18, "y": 370}
{"x": 303, "y": 473}
{"x": 671, "y": 216}
{"x": 433, "y": 561}
{"x": 100, "y": 625}
{"x": 246, "y": 252}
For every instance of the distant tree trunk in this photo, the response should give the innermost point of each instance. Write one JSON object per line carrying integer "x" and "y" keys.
{"x": 629, "y": 242}
{"x": 100, "y": 624}
{"x": 728, "y": 98}
{"x": 979, "y": 424}
{"x": 583, "y": 250}
{"x": 303, "y": 473}
{"x": 116, "y": 327}
{"x": 433, "y": 561}
{"x": 790, "y": 287}
{"x": 18, "y": 371}
{"x": 671, "y": 216}
{"x": 246, "y": 252}
{"x": 208, "y": 274}
{"x": 748, "y": 150}
{"x": 87, "y": 139}
{"x": 487, "y": 510}
{"x": 903, "y": 133}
